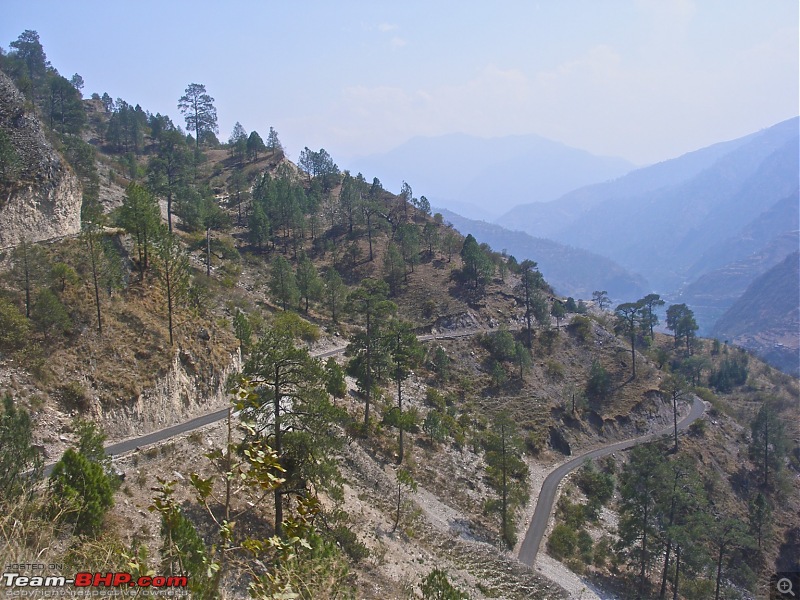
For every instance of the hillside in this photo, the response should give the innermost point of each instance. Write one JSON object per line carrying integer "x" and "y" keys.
{"x": 766, "y": 319}
{"x": 395, "y": 392}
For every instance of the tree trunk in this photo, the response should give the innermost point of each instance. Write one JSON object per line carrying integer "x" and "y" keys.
{"x": 368, "y": 375}
{"x": 96, "y": 286}
{"x": 675, "y": 418}
{"x": 400, "y": 411}
{"x": 208, "y": 251}
{"x": 677, "y": 572}
{"x": 278, "y": 451}
{"x": 640, "y": 595}
{"x": 719, "y": 570}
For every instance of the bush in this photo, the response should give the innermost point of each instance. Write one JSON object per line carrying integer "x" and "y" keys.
{"x": 581, "y": 328}
{"x": 598, "y": 388}
{"x": 573, "y": 515}
{"x": 13, "y": 327}
{"x": 435, "y": 586}
{"x": 585, "y": 545}
{"x": 732, "y": 372}
{"x": 554, "y": 370}
{"x": 562, "y": 542}
{"x": 598, "y": 487}
{"x": 82, "y": 492}
{"x": 348, "y": 541}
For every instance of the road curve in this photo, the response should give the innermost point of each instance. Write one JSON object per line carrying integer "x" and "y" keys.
{"x": 544, "y": 504}
{"x": 218, "y": 415}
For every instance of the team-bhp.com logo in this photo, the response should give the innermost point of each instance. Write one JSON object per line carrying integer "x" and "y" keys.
{"x": 88, "y": 584}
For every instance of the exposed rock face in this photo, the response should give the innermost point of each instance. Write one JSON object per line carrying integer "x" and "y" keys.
{"x": 180, "y": 395}
{"x": 45, "y": 200}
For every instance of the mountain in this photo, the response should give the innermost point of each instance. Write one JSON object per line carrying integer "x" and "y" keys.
{"x": 758, "y": 247}
{"x": 678, "y": 219}
{"x": 484, "y": 177}
{"x": 571, "y": 271}
{"x": 766, "y": 318}
{"x": 547, "y": 219}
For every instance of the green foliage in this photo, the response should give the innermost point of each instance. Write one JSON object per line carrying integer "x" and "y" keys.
{"x": 732, "y": 372}
{"x": 478, "y": 267}
{"x": 581, "y": 328}
{"x": 30, "y": 264}
{"x": 348, "y": 541}
{"x": 174, "y": 275}
{"x": 436, "y": 586}
{"x": 562, "y": 541}
{"x": 282, "y": 283}
{"x": 769, "y": 442}
{"x": 600, "y": 297}
{"x": 435, "y": 426}
{"x": 500, "y": 344}
{"x": 82, "y": 492}
{"x": 309, "y": 284}
{"x": 335, "y": 384}
{"x": 49, "y": 315}
{"x": 441, "y": 365}
{"x": 198, "y": 109}
{"x": 243, "y": 330}
{"x": 507, "y": 472}
{"x": 14, "y": 327}
{"x": 284, "y": 397}
{"x": 18, "y": 456}
{"x": 599, "y": 384}
{"x": 680, "y": 320}
{"x": 598, "y": 486}
{"x": 334, "y": 292}
{"x": 141, "y": 217}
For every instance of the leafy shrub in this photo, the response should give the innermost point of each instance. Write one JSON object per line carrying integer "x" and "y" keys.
{"x": 82, "y": 492}
{"x": 562, "y": 541}
{"x": 435, "y": 586}
{"x": 598, "y": 487}
{"x": 581, "y": 328}
{"x": 732, "y": 372}
{"x": 598, "y": 387}
{"x": 348, "y": 541}
{"x": 554, "y": 370}
{"x": 13, "y": 327}
{"x": 585, "y": 545}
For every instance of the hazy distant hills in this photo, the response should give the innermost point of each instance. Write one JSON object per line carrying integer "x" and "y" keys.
{"x": 758, "y": 247}
{"x": 766, "y": 318}
{"x": 662, "y": 220}
{"x": 571, "y": 271}
{"x": 482, "y": 178}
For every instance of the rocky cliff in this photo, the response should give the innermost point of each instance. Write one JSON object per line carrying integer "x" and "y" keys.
{"x": 43, "y": 198}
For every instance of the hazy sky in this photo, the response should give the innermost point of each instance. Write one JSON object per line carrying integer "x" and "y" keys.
{"x": 646, "y": 80}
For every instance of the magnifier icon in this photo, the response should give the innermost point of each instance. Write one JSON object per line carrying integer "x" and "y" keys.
{"x": 784, "y": 586}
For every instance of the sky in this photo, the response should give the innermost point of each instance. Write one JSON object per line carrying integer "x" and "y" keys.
{"x": 645, "y": 80}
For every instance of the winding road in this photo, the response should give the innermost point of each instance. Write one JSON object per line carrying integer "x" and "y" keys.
{"x": 218, "y": 415}
{"x": 544, "y": 504}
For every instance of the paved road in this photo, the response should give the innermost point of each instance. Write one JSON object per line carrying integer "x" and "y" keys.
{"x": 544, "y": 504}
{"x": 218, "y": 415}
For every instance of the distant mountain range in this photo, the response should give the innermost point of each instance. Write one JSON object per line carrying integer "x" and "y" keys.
{"x": 699, "y": 229}
{"x": 482, "y": 178}
{"x": 571, "y": 271}
{"x": 766, "y": 318}
{"x": 673, "y": 222}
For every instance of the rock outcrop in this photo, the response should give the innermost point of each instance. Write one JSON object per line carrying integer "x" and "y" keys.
{"x": 44, "y": 199}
